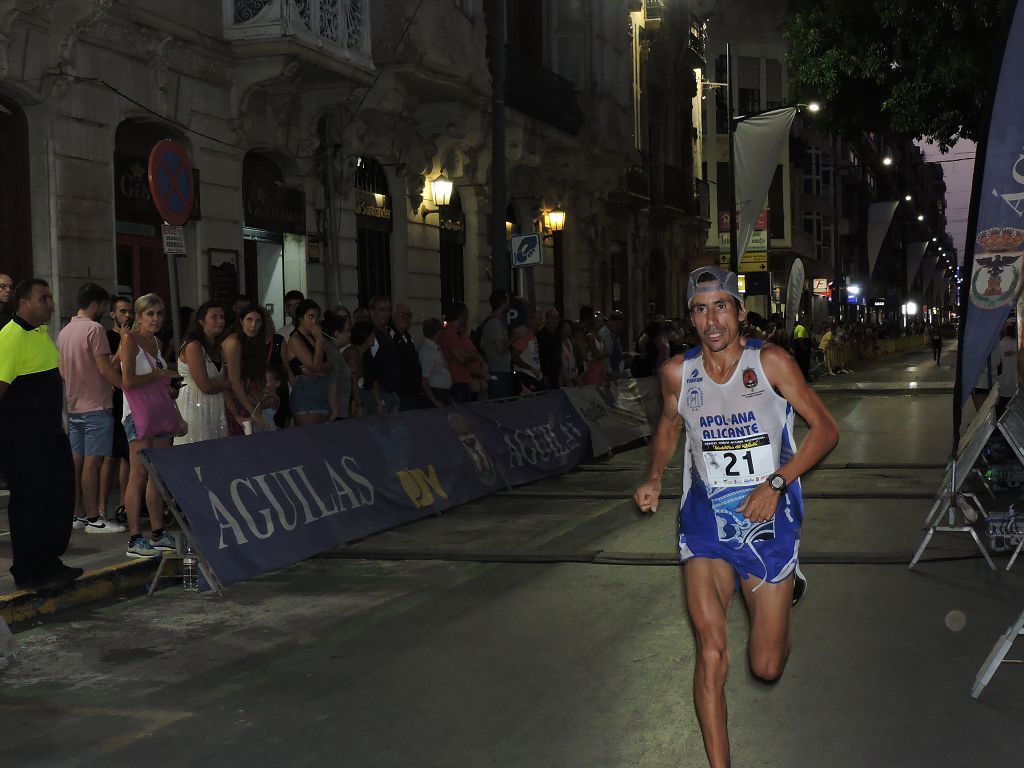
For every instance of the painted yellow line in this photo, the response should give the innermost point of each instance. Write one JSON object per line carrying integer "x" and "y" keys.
{"x": 155, "y": 720}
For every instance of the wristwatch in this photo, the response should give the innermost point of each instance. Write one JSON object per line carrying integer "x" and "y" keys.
{"x": 777, "y": 482}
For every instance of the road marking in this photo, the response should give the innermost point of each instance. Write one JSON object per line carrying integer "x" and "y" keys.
{"x": 155, "y": 720}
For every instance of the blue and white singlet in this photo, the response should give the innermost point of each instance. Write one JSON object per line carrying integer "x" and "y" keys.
{"x": 737, "y": 434}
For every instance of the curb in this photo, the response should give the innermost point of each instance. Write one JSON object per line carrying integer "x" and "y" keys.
{"x": 130, "y": 578}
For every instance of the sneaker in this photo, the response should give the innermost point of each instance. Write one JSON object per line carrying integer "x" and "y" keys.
{"x": 167, "y": 542}
{"x": 142, "y": 548}
{"x": 799, "y": 584}
{"x": 121, "y": 515}
{"x": 104, "y": 526}
{"x": 80, "y": 523}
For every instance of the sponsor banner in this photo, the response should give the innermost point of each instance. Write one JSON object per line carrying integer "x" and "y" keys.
{"x": 993, "y": 266}
{"x": 614, "y": 414}
{"x": 266, "y": 501}
{"x": 648, "y": 391}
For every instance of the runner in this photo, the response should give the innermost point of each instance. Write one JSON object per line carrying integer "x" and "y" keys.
{"x": 739, "y": 520}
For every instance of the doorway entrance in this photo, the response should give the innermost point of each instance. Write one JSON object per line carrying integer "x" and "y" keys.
{"x": 142, "y": 267}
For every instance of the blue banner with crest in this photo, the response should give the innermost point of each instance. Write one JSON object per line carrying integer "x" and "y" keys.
{"x": 259, "y": 503}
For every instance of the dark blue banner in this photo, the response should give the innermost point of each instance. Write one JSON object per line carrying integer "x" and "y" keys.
{"x": 262, "y": 502}
{"x": 993, "y": 261}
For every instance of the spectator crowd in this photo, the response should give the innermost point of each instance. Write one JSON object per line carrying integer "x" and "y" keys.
{"x": 125, "y": 387}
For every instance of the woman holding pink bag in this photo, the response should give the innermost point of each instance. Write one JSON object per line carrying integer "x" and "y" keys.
{"x": 151, "y": 420}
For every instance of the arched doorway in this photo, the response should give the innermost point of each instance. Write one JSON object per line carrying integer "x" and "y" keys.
{"x": 373, "y": 230}
{"x": 274, "y": 231}
{"x": 15, "y": 200}
{"x": 452, "y": 223}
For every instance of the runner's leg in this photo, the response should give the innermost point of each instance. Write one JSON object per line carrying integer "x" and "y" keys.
{"x": 709, "y": 586}
{"x": 769, "y": 607}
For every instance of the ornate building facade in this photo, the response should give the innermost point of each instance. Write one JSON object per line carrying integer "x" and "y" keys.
{"x": 315, "y": 128}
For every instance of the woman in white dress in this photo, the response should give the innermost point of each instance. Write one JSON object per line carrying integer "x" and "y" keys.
{"x": 201, "y": 365}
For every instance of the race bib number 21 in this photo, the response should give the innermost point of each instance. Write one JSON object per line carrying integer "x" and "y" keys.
{"x": 743, "y": 461}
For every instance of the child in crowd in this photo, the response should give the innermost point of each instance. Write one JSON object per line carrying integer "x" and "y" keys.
{"x": 271, "y": 402}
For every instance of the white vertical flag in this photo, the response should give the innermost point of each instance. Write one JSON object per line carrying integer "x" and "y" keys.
{"x": 915, "y": 252}
{"x": 757, "y": 146}
{"x": 879, "y": 217}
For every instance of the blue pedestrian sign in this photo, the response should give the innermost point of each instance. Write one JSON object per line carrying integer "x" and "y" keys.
{"x": 527, "y": 250}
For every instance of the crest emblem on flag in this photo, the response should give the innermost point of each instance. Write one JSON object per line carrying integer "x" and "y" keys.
{"x": 997, "y": 277}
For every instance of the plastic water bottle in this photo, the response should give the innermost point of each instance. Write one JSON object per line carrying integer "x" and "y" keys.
{"x": 190, "y": 568}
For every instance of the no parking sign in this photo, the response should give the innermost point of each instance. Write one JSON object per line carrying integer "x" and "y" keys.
{"x": 171, "y": 181}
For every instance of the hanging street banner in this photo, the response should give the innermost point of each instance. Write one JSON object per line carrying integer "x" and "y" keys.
{"x": 259, "y": 503}
{"x": 794, "y": 289}
{"x": 879, "y": 218}
{"x": 992, "y": 261}
{"x": 758, "y": 142}
{"x": 915, "y": 252}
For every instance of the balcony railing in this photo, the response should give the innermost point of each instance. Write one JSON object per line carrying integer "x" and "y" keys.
{"x": 702, "y": 199}
{"x": 541, "y": 93}
{"x": 670, "y": 188}
{"x": 340, "y": 27}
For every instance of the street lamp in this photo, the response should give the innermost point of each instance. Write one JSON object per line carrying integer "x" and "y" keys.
{"x": 554, "y": 220}
{"x": 908, "y": 198}
{"x": 886, "y": 161}
{"x": 920, "y": 217}
{"x": 441, "y": 190}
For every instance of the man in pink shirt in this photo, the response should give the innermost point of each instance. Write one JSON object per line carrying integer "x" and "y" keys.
{"x": 88, "y": 378}
{"x": 460, "y": 355}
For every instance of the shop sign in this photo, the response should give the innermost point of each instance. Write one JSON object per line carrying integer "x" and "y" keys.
{"x": 269, "y": 206}
{"x": 452, "y": 228}
{"x": 821, "y": 286}
{"x": 725, "y": 216}
{"x": 313, "y": 251}
{"x": 373, "y": 204}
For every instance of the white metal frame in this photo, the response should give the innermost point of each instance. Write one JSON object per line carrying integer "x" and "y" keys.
{"x": 950, "y": 512}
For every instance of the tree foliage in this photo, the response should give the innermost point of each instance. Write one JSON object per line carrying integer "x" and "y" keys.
{"x": 921, "y": 68}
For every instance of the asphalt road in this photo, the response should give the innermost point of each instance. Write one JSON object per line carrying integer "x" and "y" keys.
{"x": 545, "y": 627}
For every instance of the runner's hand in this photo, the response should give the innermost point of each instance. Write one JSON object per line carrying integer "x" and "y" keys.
{"x": 760, "y": 505}
{"x": 646, "y": 496}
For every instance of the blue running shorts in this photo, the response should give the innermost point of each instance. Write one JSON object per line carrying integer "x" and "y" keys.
{"x": 710, "y": 526}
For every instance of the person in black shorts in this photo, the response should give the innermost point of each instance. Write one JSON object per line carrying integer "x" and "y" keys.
{"x": 116, "y": 465}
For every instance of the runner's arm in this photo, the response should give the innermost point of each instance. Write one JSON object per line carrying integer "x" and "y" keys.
{"x": 666, "y": 437}
{"x": 822, "y": 436}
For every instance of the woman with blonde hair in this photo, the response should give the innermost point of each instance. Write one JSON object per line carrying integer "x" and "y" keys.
{"x": 150, "y": 421}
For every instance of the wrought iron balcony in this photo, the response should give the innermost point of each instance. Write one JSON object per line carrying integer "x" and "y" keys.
{"x": 670, "y": 188}
{"x": 540, "y": 93}
{"x": 703, "y": 199}
{"x": 654, "y": 12}
{"x": 338, "y": 27}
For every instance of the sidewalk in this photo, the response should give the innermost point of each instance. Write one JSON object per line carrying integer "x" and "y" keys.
{"x": 109, "y": 574}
